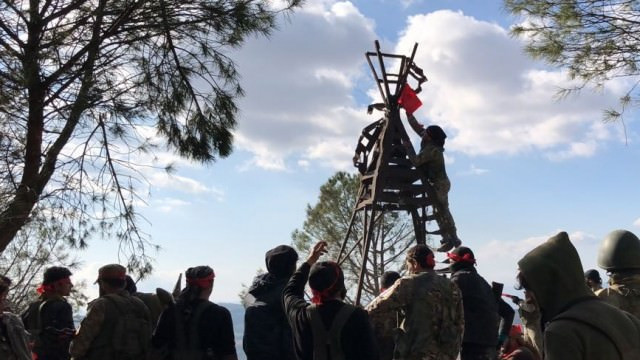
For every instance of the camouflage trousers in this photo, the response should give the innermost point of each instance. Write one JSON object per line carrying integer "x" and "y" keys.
{"x": 441, "y": 209}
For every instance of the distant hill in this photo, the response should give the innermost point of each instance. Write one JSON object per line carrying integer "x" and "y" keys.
{"x": 237, "y": 316}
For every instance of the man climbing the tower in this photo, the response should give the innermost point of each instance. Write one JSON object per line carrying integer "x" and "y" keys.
{"x": 430, "y": 162}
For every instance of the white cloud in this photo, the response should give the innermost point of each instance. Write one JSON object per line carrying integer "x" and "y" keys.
{"x": 637, "y": 222}
{"x": 164, "y": 180}
{"x": 492, "y": 98}
{"x": 167, "y": 205}
{"x": 498, "y": 260}
{"x": 304, "y": 164}
{"x": 473, "y": 170}
{"x": 304, "y": 96}
{"x": 575, "y": 149}
{"x": 333, "y": 152}
{"x": 299, "y": 85}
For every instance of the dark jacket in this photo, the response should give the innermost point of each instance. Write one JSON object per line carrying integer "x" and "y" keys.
{"x": 265, "y": 295}
{"x": 214, "y": 329}
{"x": 578, "y": 325}
{"x": 480, "y": 307}
{"x": 356, "y": 337}
{"x": 54, "y": 317}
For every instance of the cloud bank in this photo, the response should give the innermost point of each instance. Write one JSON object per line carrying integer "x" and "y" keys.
{"x": 308, "y": 85}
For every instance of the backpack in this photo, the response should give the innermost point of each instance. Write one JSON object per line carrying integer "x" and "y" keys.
{"x": 188, "y": 345}
{"x": 32, "y": 320}
{"x": 266, "y": 332}
{"x": 327, "y": 344}
{"x": 132, "y": 330}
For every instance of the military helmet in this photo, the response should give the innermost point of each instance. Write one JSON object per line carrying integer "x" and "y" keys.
{"x": 619, "y": 250}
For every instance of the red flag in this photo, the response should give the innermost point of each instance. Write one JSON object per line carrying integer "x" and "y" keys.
{"x": 409, "y": 100}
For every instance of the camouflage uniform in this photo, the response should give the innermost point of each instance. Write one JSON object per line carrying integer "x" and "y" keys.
{"x": 623, "y": 293}
{"x": 432, "y": 320}
{"x": 430, "y": 161}
{"x": 93, "y": 339}
{"x": 13, "y": 338}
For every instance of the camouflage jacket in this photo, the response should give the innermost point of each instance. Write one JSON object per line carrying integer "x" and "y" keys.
{"x": 430, "y": 159}
{"x": 429, "y": 308}
{"x": 94, "y": 338}
{"x": 624, "y": 293}
{"x": 13, "y": 338}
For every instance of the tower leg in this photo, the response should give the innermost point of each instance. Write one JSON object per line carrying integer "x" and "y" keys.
{"x": 368, "y": 234}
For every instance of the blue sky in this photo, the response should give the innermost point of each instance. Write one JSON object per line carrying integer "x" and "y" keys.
{"x": 523, "y": 166}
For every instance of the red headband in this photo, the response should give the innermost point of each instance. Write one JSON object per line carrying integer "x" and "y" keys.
{"x": 44, "y": 288}
{"x": 320, "y": 297}
{"x": 466, "y": 258}
{"x": 431, "y": 261}
{"x": 204, "y": 282}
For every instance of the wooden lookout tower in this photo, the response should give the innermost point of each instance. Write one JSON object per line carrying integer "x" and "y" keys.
{"x": 389, "y": 181}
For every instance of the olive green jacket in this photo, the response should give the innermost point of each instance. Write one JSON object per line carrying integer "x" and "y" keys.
{"x": 17, "y": 338}
{"x": 623, "y": 293}
{"x": 578, "y": 325}
{"x": 94, "y": 339}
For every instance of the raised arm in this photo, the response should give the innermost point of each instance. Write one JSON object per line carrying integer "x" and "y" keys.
{"x": 415, "y": 125}
{"x": 293, "y": 294}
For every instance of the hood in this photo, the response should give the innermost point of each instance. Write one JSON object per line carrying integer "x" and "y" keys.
{"x": 267, "y": 287}
{"x": 554, "y": 273}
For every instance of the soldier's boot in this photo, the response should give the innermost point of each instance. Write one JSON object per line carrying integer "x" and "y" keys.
{"x": 448, "y": 231}
{"x": 448, "y": 243}
{"x": 449, "y": 239}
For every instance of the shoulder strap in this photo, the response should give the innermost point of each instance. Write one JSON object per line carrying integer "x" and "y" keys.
{"x": 319, "y": 334}
{"x": 336, "y": 330}
{"x": 328, "y": 342}
{"x": 39, "y": 315}
{"x": 194, "y": 336}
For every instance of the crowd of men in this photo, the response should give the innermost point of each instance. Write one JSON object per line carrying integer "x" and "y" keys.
{"x": 423, "y": 315}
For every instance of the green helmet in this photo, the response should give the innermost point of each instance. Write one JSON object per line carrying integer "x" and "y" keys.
{"x": 619, "y": 250}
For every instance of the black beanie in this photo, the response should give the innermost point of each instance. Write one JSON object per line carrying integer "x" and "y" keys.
{"x": 436, "y": 134}
{"x": 54, "y": 274}
{"x": 281, "y": 261}
{"x": 326, "y": 274}
{"x": 593, "y": 275}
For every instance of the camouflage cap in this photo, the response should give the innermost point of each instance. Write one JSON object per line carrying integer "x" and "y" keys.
{"x": 112, "y": 271}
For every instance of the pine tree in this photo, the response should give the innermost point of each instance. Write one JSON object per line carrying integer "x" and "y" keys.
{"x": 86, "y": 85}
